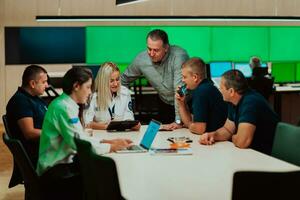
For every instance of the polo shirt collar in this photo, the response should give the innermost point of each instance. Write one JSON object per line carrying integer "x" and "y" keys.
{"x": 241, "y": 100}
{"x": 69, "y": 100}
{"x": 167, "y": 55}
{"x": 204, "y": 81}
{"x": 23, "y": 91}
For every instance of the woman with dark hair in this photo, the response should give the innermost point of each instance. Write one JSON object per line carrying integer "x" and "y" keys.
{"x": 57, "y": 148}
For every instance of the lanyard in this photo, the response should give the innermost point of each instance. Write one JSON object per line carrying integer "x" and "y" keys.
{"x": 112, "y": 112}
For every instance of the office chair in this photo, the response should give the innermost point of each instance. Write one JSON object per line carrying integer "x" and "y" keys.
{"x": 5, "y": 122}
{"x": 16, "y": 177}
{"x": 51, "y": 94}
{"x": 286, "y": 144}
{"x": 50, "y": 90}
{"x": 31, "y": 179}
{"x": 260, "y": 71}
{"x": 262, "y": 84}
{"x": 249, "y": 185}
{"x": 99, "y": 173}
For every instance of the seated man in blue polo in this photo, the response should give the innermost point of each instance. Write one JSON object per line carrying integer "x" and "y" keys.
{"x": 208, "y": 110}
{"x": 251, "y": 122}
{"x": 26, "y": 110}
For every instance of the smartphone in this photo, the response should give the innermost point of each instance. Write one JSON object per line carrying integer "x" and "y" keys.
{"x": 181, "y": 90}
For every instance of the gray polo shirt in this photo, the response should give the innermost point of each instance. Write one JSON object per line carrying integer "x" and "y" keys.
{"x": 164, "y": 77}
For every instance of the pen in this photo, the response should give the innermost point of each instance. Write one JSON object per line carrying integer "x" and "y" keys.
{"x": 170, "y": 140}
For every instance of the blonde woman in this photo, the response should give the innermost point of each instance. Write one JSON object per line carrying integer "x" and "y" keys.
{"x": 111, "y": 101}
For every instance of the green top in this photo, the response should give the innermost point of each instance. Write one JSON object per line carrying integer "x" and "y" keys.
{"x": 60, "y": 124}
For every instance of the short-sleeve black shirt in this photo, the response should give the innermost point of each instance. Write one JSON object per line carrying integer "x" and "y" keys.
{"x": 208, "y": 106}
{"x": 22, "y": 105}
{"x": 254, "y": 109}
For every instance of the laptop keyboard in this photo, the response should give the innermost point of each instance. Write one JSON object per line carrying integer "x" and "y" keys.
{"x": 134, "y": 147}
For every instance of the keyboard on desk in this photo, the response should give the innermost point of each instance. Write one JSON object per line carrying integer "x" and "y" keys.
{"x": 132, "y": 149}
{"x": 135, "y": 147}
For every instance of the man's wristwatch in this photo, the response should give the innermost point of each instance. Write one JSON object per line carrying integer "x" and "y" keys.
{"x": 178, "y": 121}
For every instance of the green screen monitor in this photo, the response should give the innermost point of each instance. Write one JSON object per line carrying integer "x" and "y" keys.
{"x": 140, "y": 81}
{"x": 298, "y": 72}
{"x": 119, "y": 44}
{"x": 239, "y": 43}
{"x": 122, "y": 66}
{"x": 283, "y": 42}
{"x": 284, "y": 72}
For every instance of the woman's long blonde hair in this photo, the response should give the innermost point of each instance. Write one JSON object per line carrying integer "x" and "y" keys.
{"x": 102, "y": 84}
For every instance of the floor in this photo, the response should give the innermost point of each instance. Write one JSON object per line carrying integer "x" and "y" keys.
{"x": 15, "y": 193}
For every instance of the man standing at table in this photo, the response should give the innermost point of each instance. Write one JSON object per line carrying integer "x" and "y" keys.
{"x": 208, "y": 110}
{"x": 161, "y": 65}
{"x": 251, "y": 122}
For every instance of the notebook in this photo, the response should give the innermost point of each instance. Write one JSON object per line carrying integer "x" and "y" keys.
{"x": 168, "y": 152}
{"x": 147, "y": 140}
{"x": 121, "y": 125}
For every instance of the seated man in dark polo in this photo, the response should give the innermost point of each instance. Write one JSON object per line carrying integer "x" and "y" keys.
{"x": 208, "y": 110}
{"x": 26, "y": 110}
{"x": 251, "y": 122}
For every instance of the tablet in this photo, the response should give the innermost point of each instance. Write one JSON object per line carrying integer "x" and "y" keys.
{"x": 121, "y": 125}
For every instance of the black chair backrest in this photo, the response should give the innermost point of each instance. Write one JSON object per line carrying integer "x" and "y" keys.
{"x": 265, "y": 185}
{"x": 31, "y": 179}
{"x": 16, "y": 177}
{"x": 260, "y": 71}
{"x": 5, "y": 122}
{"x": 286, "y": 145}
{"x": 99, "y": 173}
{"x": 51, "y": 92}
{"x": 263, "y": 85}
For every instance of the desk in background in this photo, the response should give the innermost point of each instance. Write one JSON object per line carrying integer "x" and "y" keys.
{"x": 207, "y": 174}
{"x": 287, "y": 102}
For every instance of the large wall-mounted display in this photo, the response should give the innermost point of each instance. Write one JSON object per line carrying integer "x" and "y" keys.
{"x": 284, "y": 43}
{"x": 44, "y": 45}
{"x": 114, "y": 43}
{"x": 212, "y": 43}
{"x": 120, "y": 44}
{"x": 239, "y": 43}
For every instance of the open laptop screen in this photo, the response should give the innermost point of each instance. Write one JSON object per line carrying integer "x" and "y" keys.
{"x": 150, "y": 134}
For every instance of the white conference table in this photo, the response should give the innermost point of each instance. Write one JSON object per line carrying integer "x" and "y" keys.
{"x": 207, "y": 174}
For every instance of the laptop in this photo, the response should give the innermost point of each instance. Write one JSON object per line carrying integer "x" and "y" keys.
{"x": 121, "y": 125}
{"x": 147, "y": 140}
